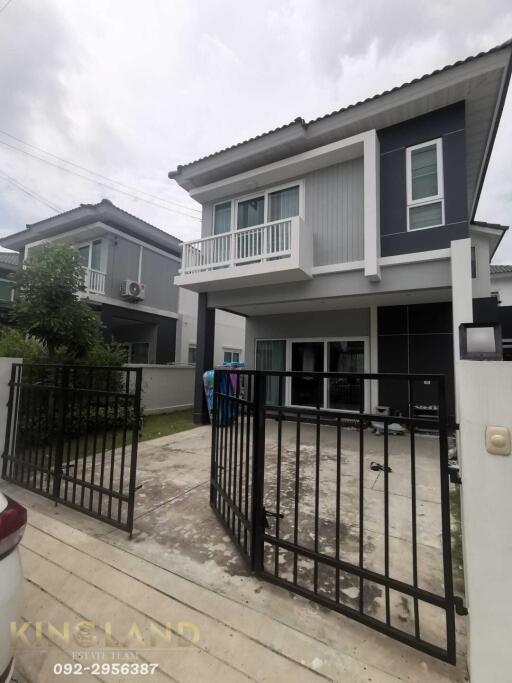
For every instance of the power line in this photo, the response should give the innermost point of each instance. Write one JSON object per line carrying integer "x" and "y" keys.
{"x": 97, "y": 182}
{"x": 100, "y": 175}
{"x": 30, "y": 192}
{"x": 5, "y": 6}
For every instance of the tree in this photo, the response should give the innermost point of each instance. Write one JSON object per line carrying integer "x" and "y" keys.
{"x": 47, "y": 305}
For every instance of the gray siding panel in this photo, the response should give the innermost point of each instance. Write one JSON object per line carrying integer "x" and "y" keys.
{"x": 158, "y": 273}
{"x": 334, "y": 211}
{"x": 207, "y": 220}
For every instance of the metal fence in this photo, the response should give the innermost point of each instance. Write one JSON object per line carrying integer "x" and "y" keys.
{"x": 312, "y": 500}
{"x": 72, "y": 436}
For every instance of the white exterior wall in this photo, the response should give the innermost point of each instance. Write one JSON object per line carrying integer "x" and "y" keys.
{"x": 229, "y": 329}
{"x": 503, "y": 284}
{"x": 485, "y": 398}
{"x": 482, "y": 282}
{"x": 5, "y": 376}
{"x": 166, "y": 388}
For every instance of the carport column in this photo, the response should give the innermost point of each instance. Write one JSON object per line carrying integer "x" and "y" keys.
{"x": 204, "y": 356}
{"x": 462, "y": 299}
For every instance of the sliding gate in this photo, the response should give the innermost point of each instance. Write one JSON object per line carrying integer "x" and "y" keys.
{"x": 349, "y": 509}
{"x": 72, "y": 435}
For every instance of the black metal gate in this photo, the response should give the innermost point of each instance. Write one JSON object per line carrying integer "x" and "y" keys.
{"x": 354, "y": 518}
{"x": 72, "y": 436}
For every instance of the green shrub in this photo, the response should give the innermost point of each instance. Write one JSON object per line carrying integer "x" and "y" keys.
{"x": 14, "y": 344}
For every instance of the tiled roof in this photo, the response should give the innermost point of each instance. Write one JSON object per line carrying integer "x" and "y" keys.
{"x": 485, "y": 224}
{"x": 497, "y": 270}
{"x": 305, "y": 124}
{"x": 109, "y": 204}
{"x": 9, "y": 258}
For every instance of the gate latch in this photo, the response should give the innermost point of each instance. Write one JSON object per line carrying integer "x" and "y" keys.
{"x": 454, "y": 472}
{"x": 460, "y": 608}
{"x": 377, "y": 467}
{"x": 268, "y": 513}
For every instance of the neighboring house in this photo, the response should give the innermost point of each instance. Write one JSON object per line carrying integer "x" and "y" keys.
{"x": 501, "y": 290}
{"x": 130, "y": 268}
{"x": 501, "y": 284}
{"x": 8, "y": 267}
{"x": 350, "y": 242}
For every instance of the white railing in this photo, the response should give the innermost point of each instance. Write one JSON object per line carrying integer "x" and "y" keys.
{"x": 240, "y": 247}
{"x": 94, "y": 281}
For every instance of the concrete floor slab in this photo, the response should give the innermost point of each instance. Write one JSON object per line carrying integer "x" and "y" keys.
{"x": 182, "y": 560}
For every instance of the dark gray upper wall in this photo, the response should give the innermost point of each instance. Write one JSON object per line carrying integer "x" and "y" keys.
{"x": 447, "y": 123}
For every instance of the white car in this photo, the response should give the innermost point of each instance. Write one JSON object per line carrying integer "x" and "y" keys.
{"x": 13, "y": 519}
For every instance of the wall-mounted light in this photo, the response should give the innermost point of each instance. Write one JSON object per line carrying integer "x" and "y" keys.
{"x": 480, "y": 341}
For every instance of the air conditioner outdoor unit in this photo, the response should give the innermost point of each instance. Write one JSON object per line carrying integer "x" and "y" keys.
{"x": 133, "y": 291}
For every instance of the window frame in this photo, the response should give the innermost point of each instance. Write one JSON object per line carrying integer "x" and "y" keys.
{"x": 11, "y": 283}
{"x": 190, "y": 347}
{"x": 432, "y": 199}
{"x": 89, "y": 244}
{"x": 231, "y": 350}
{"x": 234, "y": 201}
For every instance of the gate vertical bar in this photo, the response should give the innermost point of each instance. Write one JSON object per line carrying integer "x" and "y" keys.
{"x": 258, "y": 473}
{"x": 62, "y": 392}
{"x": 445, "y": 523}
{"x": 213, "y": 464}
{"x": 135, "y": 444}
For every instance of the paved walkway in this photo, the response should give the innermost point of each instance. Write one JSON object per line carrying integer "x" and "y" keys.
{"x": 180, "y": 568}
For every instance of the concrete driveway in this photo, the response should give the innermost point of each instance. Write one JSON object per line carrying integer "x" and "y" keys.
{"x": 181, "y": 567}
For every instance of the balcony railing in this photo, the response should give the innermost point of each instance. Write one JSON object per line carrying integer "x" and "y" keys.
{"x": 281, "y": 251}
{"x": 94, "y": 281}
{"x": 231, "y": 249}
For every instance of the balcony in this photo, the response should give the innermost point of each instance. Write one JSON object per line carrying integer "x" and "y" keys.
{"x": 260, "y": 255}
{"x": 94, "y": 281}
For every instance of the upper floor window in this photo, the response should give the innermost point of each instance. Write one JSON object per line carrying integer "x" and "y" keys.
{"x": 222, "y": 218}
{"x": 91, "y": 255}
{"x": 6, "y": 290}
{"x": 273, "y": 205}
{"x": 425, "y": 186}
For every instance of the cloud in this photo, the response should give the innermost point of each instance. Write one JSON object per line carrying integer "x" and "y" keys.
{"x": 132, "y": 89}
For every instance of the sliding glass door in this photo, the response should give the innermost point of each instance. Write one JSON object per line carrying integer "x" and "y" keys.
{"x": 307, "y": 356}
{"x": 315, "y": 355}
{"x": 345, "y": 393}
{"x": 271, "y": 355}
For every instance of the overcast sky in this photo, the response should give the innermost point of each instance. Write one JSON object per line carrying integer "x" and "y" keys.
{"x": 129, "y": 89}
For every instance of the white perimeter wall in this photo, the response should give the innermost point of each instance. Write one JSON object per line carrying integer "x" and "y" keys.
{"x": 166, "y": 388}
{"x": 485, "y": 398}
{"x": 229, "y": 329}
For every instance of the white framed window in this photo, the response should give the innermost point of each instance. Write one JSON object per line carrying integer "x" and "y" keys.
{"x": 267, "y": 206}
{"x": 192, "y": 354}
{"x": 6, "y": 290}
{"x": 222, "y": 218}
{"x": 232, "y": 355}
{"x": 425, "y": 185}
{"x": 92, "y": 255}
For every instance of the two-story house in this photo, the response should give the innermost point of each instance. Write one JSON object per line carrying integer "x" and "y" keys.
{"x": 130, "y": 266}
{"x": 350, "y": 242}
